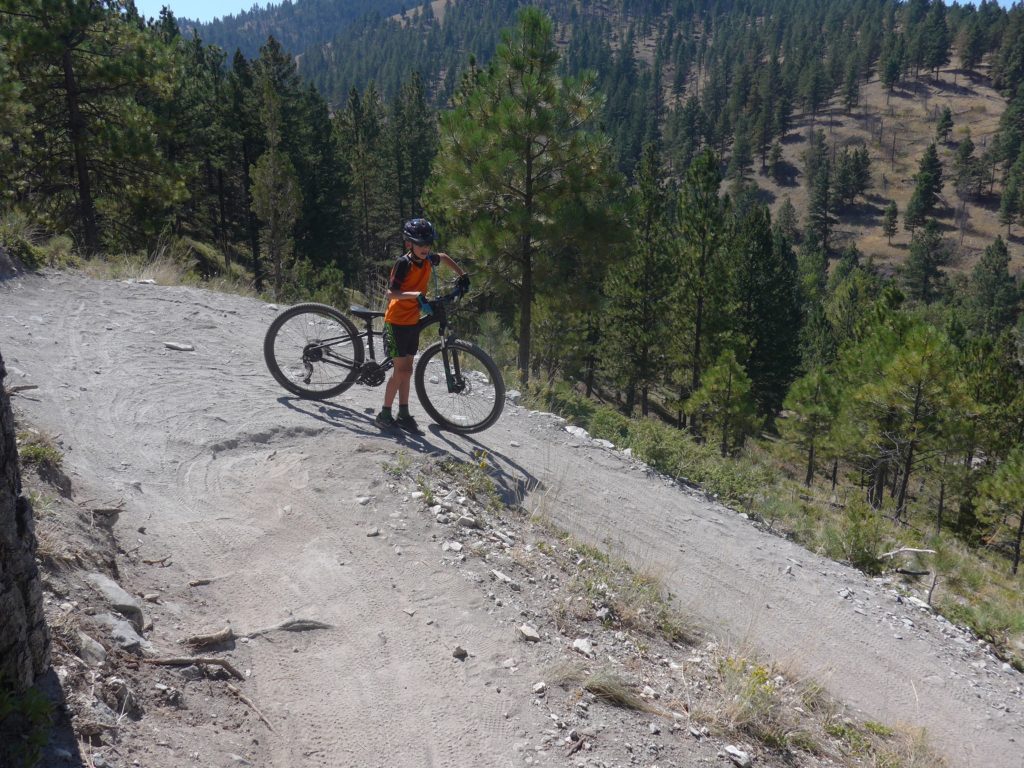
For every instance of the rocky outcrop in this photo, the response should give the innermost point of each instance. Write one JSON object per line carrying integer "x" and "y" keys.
{"x": 24, "y": 639}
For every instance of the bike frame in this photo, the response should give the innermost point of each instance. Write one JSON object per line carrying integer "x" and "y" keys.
{"x": 452, "y": 370}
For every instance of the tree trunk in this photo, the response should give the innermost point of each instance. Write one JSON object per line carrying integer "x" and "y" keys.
{"x": 76, "y": 128}
{"x": 877, "y": 488}
{"x": 525, "y": 310}
{"x": 24, "y": 638}
{"x": 942, "y": 505}
{"x": 252, "y": 226}
{"x": 1016, "y": 544}
{"x": 901, "y": 499}
{"x": 809, "y": 478}
{"x": 222, "y": 223}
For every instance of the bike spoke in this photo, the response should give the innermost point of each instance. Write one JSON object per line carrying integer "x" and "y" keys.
{"x": 314, "y": 351}
{"x": 464, "y": 395}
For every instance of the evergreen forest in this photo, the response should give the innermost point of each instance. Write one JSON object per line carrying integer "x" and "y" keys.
{"x": 610, "y": 173}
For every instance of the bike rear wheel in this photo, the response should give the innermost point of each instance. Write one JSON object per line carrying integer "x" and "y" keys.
{"x": 313, "y": 351}
{"x": 459, "y": 386}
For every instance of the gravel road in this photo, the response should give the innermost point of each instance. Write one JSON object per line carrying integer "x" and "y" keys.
{"x": 271, "y": 497}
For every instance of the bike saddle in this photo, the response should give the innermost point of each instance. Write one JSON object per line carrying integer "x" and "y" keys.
{"x": 364, "y": 313}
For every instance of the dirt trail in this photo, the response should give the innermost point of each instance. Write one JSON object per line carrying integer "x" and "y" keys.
{"x": 272, "y": 498}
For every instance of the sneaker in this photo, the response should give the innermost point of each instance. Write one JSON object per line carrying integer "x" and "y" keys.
{"x": 408, "y": 423}
{"x": 384, "y": 420}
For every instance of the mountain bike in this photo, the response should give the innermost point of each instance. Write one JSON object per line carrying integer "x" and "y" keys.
{"x": 316, "y": 352}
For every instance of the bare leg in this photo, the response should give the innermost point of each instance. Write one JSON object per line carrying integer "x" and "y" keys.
{"x": 399, "y": 382}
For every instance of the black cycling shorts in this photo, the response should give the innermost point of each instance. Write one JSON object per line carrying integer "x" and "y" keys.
{"x": 401, "y": 340}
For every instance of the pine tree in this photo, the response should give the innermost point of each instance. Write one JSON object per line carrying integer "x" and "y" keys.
{"x": 992, "y": 303}
{"x": 918, "y": 398}
{"x": 936, "y": 38}
{"x": 725, "y": 403}
{"x": 889, "y": 221}
{"x": 775, "y": 162}
{"x": 1010, "y": 202}
{"x": 819, "y": 207}
{"x": 927, "y": 186}
{"x": 13, "y": 124}
{"x": 81, "y": 66}
{"x": 786, "y": 221}
{"x": 966, "y": 170}
{"x": 766, "y": 292}
{"x": 517, "y": 170}
{"x": 363, "y": 141}
{"x": 701, "y": 216}
{"x": 636, "y": 334}
{"x": 922, "y": 275}
{"x": 945, "y": 125}
{"x": 276, "y": 199}
{"x": 1004, "y": 491}
{"x": 812, "y": 406}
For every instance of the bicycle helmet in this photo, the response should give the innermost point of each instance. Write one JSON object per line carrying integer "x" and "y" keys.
{"x": 419, "y": 232}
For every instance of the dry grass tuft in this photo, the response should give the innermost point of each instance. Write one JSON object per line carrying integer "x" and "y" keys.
{"x": 603, "y": 683}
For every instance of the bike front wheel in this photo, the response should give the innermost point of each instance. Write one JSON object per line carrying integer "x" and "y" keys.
{"x": 313, "y": 351}
{"x": 459, "y": 386}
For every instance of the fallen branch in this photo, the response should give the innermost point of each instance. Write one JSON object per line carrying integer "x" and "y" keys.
{"x": 188, "y": 661}
{"x": 292, "y": 625}
{"x": 215, "y": 638}
{"x": 901, "y": 550}
{"x": 21, "y": 388}
{"x": 248, "y": 702}
{"x": 905, "y": 572}
{"x": 935, "y": 581}
{"x": 199, "y": 582}
{"x": 162, "y": 562}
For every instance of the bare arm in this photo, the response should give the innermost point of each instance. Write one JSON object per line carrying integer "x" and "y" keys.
{"x": 448, "y": 261}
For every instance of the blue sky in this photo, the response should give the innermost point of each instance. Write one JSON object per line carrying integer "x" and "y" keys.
{"x": 205, "y": 10}
{"x": 201, "y": 10}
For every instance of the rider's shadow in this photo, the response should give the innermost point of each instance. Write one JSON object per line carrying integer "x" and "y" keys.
{"x": 513, "y": 481}
{"x": 358, "y": 422}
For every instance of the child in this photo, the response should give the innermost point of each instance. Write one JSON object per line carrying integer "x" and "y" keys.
{"x": 407, "y": 289}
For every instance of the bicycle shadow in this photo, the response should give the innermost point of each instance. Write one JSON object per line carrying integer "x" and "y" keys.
{"x": 513, "y": 482}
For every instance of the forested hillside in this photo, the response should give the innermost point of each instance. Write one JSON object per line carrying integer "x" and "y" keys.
{"x": 296, "y": 25}
{"x": 793, "y": 218}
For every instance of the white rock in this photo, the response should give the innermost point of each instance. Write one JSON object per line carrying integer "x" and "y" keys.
{"x": 416, "y": 495}
{"x": 363, "y": 500}
{"x": 179, "y": 346}
{"x": 738, "y": 756}
{"x": 918, "y": 603}
{"x": 529, "y": 633}
{"x": 579, "y": 432}
{"x": 584, "y": 646}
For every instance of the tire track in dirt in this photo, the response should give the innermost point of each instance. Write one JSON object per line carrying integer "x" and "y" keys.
{"x": 197, "y": 428}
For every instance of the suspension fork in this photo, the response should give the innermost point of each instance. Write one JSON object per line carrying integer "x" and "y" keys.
{"x": 450, "y": 359}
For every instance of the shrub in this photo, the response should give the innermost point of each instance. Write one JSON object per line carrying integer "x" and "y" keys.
{"x": 562, "y": 399}
{"x": 24, "y": 726}
{"x": 36, "y": 449}
{"x": 609, "y": 424}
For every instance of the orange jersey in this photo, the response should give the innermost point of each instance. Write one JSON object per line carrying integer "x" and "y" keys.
{"x": 407, "y": 276}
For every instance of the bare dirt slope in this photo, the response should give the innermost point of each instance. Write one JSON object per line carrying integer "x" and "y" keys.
{"x": 272, "y": 498}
